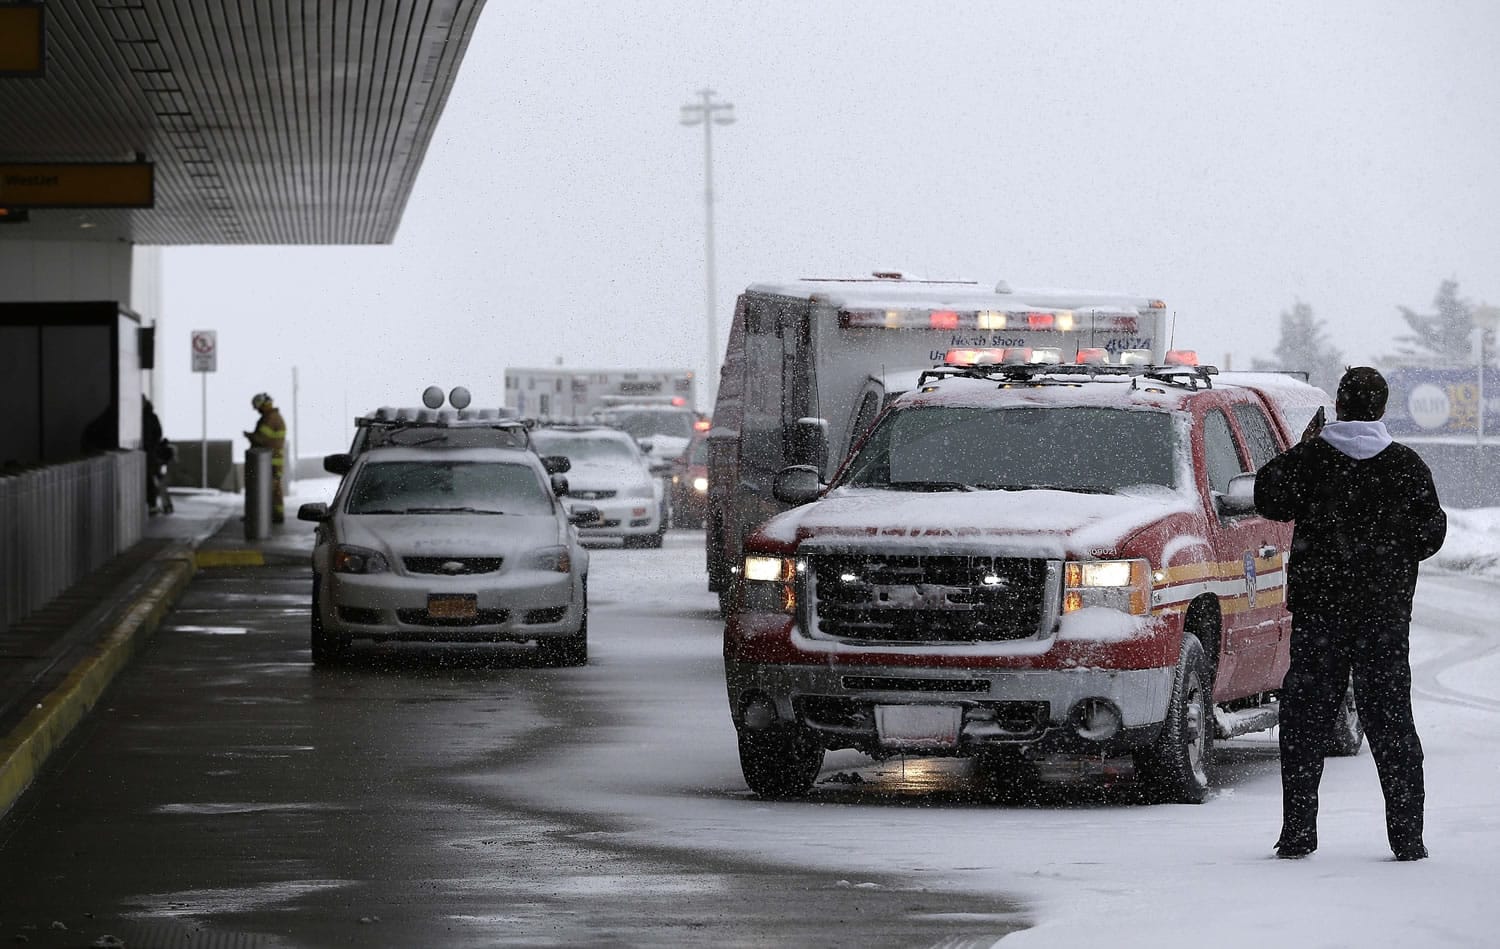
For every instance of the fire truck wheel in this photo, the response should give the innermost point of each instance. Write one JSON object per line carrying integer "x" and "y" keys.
{"x": 1175, "y": 767}
{"x": 327, "y": 649}
{"x": 780, "y": 762}
{"x": 1348, "y": 733}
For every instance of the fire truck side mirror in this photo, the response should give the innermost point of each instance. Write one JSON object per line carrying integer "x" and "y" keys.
{"x": 1240, "y": 498}
{"x": 807, "y": 443}
{"x": 796, "y": 484}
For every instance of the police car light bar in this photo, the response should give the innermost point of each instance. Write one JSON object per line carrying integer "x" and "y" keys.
{"x": 1092, "y": 357}
{"x": 1181, "y": 357}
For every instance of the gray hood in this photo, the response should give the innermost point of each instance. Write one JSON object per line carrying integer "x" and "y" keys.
{"x": 1358, "y": 440}
{"x": 450, "y": 535}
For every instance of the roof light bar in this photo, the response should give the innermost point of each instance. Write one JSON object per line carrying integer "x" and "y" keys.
{"x": 1181, "y": 357}
{"x": 1135, "y": 357}
{"x": 1093, "y": 357}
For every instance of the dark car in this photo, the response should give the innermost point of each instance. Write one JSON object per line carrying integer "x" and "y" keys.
{"x": 690, "y": 483}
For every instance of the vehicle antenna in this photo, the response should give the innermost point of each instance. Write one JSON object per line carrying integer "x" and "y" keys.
{"x": 1172, "y": 333}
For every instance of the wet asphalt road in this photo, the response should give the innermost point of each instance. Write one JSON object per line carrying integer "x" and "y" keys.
{"x": 226, "y": 793}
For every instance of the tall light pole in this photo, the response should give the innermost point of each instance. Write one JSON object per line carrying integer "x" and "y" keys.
{"x": 709, "y": 113}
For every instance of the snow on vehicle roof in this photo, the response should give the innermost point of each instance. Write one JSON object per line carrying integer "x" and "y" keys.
{"x": 874, "y": 292}
{"x": 1296, "y": 400}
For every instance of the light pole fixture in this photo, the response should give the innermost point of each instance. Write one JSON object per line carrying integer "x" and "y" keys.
{"x": 708, "y": 113}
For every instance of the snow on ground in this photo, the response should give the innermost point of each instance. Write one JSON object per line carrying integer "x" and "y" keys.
{"x": 1095, "y": 871}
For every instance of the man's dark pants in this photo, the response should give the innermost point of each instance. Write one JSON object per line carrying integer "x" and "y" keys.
{"x": 1326, "y": 648}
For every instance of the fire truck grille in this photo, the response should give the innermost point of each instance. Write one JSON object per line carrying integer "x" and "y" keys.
{"x": 886, "y": 598}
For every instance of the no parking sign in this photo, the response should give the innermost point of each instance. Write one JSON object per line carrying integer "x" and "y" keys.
{"x": 205, "y": 351}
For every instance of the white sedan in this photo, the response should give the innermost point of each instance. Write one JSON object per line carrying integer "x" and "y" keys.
{"x": 609, "y": 472}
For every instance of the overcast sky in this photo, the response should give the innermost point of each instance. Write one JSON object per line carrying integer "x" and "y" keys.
{"x": 1230, "y": 159}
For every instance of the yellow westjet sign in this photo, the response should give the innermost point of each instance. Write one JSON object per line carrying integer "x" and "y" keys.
{"x": 22, "y": 44}
{"x": 77, "y": 185}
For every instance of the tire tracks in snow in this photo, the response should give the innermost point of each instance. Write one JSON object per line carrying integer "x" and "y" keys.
{"x": 1432, "y": 610}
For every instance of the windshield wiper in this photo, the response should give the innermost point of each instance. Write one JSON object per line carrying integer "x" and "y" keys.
{"x": 928, "y": 486}
{"x": 379, "y": 510}
{"x": 1078, "y": 488}
{"x": 451, "y": 510}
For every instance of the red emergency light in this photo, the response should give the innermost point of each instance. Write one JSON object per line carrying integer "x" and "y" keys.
{"x": 973, "y": 357}
{"x": 1040, "y": 321}
{"x": 1181, "y": 357}
{"x": 1093, "y": 357}
{"x": 943, "y": 319}
{"x": 702, "y": 425}
{"x": 678, "y": 400}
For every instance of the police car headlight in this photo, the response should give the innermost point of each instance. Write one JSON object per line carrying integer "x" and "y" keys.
{"x": 770, "y": 584}
{"x": 550, "y": 559}
{"x": 1123, "y": 585}
{"x": 348, "y": 558}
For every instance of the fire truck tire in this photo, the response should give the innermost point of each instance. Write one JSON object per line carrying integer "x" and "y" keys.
{"x": 780, "y": 762}
{"x": 1348, "y": 733}
{"x": 1175, "y": 767}
{"x": 327, "y": 649}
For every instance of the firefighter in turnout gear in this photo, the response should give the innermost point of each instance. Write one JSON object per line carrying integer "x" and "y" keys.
{"x": 270, "y": 433}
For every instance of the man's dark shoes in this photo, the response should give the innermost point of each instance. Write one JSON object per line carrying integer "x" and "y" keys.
{"x": 1295, "y": 846}
{"x": 1411, "y": 852}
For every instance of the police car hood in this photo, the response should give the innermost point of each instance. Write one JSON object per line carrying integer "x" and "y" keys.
{"x": 450, "y": 535}
{"x": 1029, "y": 523}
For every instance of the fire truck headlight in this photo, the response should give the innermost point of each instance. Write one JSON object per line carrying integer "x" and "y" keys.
{"x": 770, "y": 584}
{"x": 700, "y": 485}
{"x": 1123, "y": 585}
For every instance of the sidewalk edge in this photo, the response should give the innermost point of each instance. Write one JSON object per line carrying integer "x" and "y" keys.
{"x": 24, "y": 750}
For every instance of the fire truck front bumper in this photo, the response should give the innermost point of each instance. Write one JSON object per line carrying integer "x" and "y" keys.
{"x": 955, "y": 711}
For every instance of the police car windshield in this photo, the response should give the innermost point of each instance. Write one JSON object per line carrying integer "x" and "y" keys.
{"x": 456, "y": 487}
{"x": 1070, "y": 449}
{"x": 579, "y": 446}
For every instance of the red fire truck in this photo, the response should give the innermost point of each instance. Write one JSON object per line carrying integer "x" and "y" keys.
{"x": 1020, "y": 559}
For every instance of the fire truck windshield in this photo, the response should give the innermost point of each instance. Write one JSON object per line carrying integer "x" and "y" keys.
{"x": 946, "y": 448}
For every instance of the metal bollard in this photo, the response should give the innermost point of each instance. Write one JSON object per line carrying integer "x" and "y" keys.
{"x": 257, "y": 494}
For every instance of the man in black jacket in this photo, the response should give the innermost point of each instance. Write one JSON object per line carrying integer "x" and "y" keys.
{"x": 1366, "y": 513}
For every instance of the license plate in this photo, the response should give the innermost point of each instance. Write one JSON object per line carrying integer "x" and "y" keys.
{"x": 453, "y": 606}
{"x": 913, "y": 726}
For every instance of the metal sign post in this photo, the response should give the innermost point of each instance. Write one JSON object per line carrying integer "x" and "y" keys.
{"x": 205, "y": 361}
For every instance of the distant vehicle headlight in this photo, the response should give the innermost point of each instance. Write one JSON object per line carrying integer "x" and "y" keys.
{"x": 551, "y": 559}
{"x": 348, "y": 558}
{"x": 700, "y": 485}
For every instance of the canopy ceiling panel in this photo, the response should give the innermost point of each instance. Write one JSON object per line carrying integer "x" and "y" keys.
{"x": 267, "y": 121}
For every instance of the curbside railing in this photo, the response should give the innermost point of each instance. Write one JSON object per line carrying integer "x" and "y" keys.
{"x": 60, "y": 522}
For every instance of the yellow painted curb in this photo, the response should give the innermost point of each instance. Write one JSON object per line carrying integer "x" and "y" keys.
{"x": 229, "y": 558}
{"x": 44, "y": 728}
